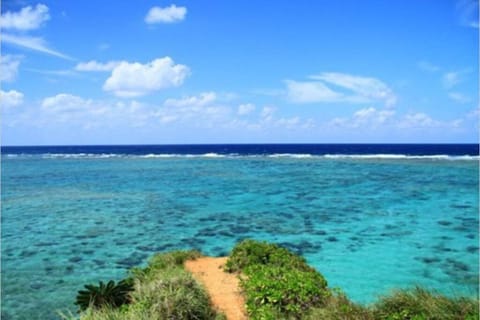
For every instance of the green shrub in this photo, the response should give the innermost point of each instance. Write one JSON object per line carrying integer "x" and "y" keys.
{"x": 251, "y": 252}
{"x": 421, "y": 304}
{"x": 277, "y": 283}
{"x": 110, "y": 294}
{"x": 286, "y": 290}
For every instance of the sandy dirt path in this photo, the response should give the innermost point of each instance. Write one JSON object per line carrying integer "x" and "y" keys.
{"x": 223, "y": 287}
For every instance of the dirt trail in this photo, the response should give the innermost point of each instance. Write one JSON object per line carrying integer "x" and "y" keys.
{"x": 222, "y": 287}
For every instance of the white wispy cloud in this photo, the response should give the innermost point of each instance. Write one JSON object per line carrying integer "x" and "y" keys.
{"x": 451, "y": 79}
{"x": 310, "y": 92}
{"x": 136, "y": 79}
{"x": 467, "y": 13}
{"x": 32, "y": 43}
{"x": 459, "y": 97}
{"x": 245, "y": 109}
{"x": 354, "y": 89}
{"x": 9, "y": 67}
{"x": 28, "y": 18}
{"x": 428, "y": 66}
{"x": 96, "y": 66}
{"x": 10, "y": 98}
{"x": 168, "y": 14}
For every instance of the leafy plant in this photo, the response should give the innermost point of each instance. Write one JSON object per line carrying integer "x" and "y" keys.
{"x": 251, "y": 252}
{"x": 278, "y": 283}
{"x": 109, "y": 294}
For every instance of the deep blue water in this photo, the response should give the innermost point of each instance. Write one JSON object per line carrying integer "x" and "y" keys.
{"x": 257, "y": 149}
{"x": 369, "y": 217}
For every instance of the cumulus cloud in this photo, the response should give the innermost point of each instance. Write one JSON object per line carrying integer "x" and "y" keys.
{"x": 169, "y": 14}
{"x": 9, "y": 67}
{"x": 418, "y": 120}
{"x": 201, "y": 100}
{"x": 28, "y": 18}
{"x": 354, "y": 89}
{"x": 64, "y": 102}
{"x": 245, "y": 109}
{"x": 136, "y": 79}
{"x": 96, "y": 66}
{"x": 10, "y": 98}
{"x": 367, "y": 117}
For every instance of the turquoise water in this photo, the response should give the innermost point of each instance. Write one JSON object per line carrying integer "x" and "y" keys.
{"x": 367, "y": 224}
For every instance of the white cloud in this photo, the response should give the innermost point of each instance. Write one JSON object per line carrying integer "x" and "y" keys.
{"x": 459, "y": 97}
{"x": 9, "y": 67}
{"x": 166, "y": 15}
{"x": 451, "y": 79}
{"x": 136, "y": 79}
{"x": 355, "y": 89}
{"x": 418, "y": 120}
{"x": 245, "y": 109}
{"x": 10, "y": 98}
{"x": 28, "y": 18}
{"x": 202, "y": 100}
{"x": 310, "y": 92}
{"x": 364, "y": 87}
{"x": 96, "y": 66}
{"x": 267, "y": 113}
{"x": 427, "y": 66}
{"x": 32, "y": 43}
{"x": 467, "y": 13}
{"x": 64, "y": 102}
{"x": 367, "y": 117}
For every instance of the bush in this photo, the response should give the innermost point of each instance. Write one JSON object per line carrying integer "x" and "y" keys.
{"x": 285, "y": 290}
{"x": 278, "y": 283}
{"x": 251, "y": 252}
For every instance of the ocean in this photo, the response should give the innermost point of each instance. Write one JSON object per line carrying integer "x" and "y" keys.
{"x": 369, "y": 217}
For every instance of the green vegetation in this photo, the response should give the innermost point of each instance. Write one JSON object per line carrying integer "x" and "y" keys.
{"x": 277, "y": 284}
{"x": 110, "y": 294}
{"x": 162, "y": 290}
{"x": 280, "y": 285}
{"x": 420, "y": 304}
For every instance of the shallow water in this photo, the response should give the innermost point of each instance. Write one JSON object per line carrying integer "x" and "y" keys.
{"x": 367, "y": 224}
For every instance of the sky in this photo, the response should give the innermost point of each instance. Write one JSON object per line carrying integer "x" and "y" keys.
{"x": 214, "y": 71}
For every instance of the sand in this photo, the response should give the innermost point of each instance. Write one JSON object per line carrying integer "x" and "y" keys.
{"x": 222, "y": 287}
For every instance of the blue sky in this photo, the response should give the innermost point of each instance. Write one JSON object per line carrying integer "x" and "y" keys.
{"x": 153, "y": 72}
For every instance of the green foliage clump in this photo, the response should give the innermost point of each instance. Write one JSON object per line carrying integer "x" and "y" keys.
{"x": 285, "y": 290}
{"x": 105, "y": 295}
{"x": 251, "y": 252}
{"x": 277, "y": 283}
{"x": 421, "y": 304}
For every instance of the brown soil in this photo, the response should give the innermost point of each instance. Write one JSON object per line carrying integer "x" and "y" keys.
{"x": 223, "y": 287}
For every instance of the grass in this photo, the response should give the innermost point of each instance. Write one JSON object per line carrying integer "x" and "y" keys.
{"x": 162, "y": 290}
